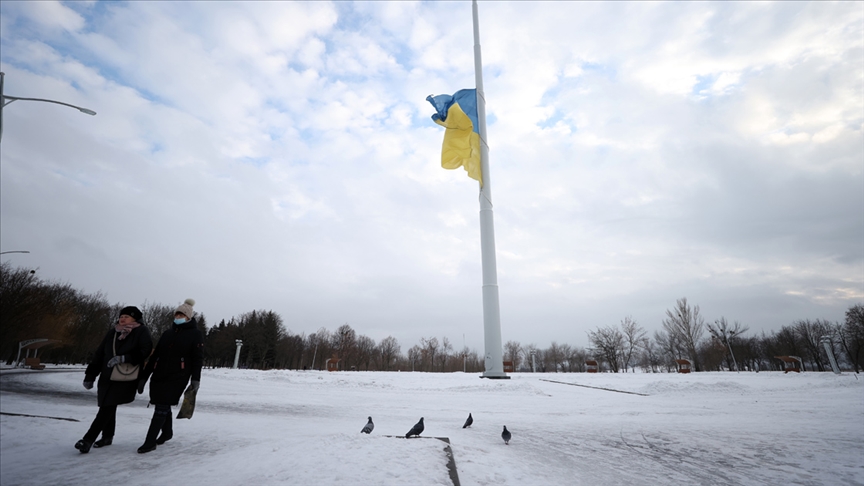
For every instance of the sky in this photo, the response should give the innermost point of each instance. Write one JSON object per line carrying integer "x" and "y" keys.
{"x": 281, "y": 156}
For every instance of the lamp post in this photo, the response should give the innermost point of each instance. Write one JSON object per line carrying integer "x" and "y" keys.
{"x": 239, "y": 343}
{"x": 4, "y": 97}
{"x": 723, "y": 335}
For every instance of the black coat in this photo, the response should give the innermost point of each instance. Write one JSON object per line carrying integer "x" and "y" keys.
{"x": 135, "y": 347}
{"x": 179, "y": 356}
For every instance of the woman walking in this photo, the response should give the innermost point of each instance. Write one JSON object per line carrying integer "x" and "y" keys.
{"x": 178, "y": 356}
{"x": 127, "y": 342}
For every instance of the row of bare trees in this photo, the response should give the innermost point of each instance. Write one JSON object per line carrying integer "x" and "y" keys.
{"x": 708, "y": 346}
{"x": 267, "y": 345}
{"x": 30, "y": 308}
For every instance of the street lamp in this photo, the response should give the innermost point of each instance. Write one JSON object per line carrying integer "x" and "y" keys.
{"x": 4, "y": 97}
{"x": 13, "y": 251}
{"x": 239, "y": 343}
{"x": 726, "y": 336}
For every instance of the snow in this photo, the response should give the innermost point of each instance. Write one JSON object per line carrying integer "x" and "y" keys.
{"x": 303, "y": 427}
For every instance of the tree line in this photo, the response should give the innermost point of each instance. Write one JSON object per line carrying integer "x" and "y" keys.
{"x": 716, "y": 346}
{"x": 33, "y": 308}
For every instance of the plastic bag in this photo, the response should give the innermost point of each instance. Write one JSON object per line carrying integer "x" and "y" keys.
{"x": 188, "y": 406}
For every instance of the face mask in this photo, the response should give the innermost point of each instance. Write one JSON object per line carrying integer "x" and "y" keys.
{"x": 179, "y": 321}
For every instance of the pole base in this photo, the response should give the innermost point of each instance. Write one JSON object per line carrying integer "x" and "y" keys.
{"x": 492, "y": 375}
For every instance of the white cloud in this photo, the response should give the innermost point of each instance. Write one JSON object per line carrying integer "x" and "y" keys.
{"x": 51, "y": 14}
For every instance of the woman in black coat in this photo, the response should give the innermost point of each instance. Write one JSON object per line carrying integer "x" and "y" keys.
{"x": 127, "y": 342}
{"x": 178, "y": 357}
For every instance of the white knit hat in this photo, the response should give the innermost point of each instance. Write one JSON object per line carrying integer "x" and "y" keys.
{"x": 186, "y": 308}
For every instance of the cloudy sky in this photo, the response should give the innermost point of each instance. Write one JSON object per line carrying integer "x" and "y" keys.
{"x": 281, "y": 156}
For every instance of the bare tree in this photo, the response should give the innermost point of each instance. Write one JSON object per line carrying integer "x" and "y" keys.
{"x": 318, "y": 348}
{"x": 473, "y": 363}
{"x": 852, "y": 336}
{"x": 650, "y": 356}
{"x": 430, "y": 349}
{"x": 365, "y": 351}
{"x": 415, "y": 356}
{"x": 576, "y": 359}
{"x": 389, "y": 351}
{"x": 564, "y": 350}
{"x": 634, "y": 338}
{"x": 513, "y": 353}
{"x": 608, "y": 343}
{"x": 444, "y": 354}
{"x": 810, "y": 334}
{"x": 687, "y": 326}
{"x": 345, "y": 343}
{"x": 552, "y": 356}
{"x": 670, "y": 347}
{"x": 157, "y": 317}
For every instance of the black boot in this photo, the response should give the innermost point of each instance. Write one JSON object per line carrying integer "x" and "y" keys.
{"x": 147, "y": 447}
{"x": 104, "y": 441}
{"x": 156, "y": 423}
{"x": 167, "y": 431}
{"x": 83, "y": 446}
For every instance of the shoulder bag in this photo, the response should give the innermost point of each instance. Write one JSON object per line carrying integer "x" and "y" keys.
{"x": 123, "y": 371}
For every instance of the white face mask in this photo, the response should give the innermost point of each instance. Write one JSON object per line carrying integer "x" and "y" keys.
{"x": 179, "y": 321}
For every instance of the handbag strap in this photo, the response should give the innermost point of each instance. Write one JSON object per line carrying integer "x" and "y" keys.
{"x": 114, "y": 344}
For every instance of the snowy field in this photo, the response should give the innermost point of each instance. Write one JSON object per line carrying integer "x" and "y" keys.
{"x": 302, "y": 428}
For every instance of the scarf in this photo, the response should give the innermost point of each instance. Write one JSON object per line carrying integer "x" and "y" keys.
{"x": 125, "y": 329}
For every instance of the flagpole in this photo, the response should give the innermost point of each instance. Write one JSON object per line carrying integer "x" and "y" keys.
{"x": 491, "y": 309}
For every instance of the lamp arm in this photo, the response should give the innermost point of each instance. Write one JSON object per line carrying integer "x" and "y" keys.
{"x": 15, "y": 98}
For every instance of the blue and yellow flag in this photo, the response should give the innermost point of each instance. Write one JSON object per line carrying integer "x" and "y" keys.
{"x": 458, "y": 114}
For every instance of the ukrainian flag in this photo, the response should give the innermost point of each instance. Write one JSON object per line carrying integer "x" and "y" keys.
{"x": 458, "y": 114}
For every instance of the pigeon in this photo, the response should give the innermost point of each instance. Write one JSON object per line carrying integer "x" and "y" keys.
{"x": 416, "y": 430}
{"x": 367, "y": 429}
{"x": 468, "y": 422}
{"x": 506, "y": 436}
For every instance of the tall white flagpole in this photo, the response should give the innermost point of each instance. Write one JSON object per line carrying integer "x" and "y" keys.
{"x": 491, "y": 310}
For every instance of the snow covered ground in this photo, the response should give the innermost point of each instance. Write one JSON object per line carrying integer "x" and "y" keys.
{"x": 302, "y": 428}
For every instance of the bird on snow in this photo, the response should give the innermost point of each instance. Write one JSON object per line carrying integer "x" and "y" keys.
{"x": 416, "y": 430}
{"x": 506, "y": 436}
{"x": 468, "y": 422}
{"x": 367, "y": 429}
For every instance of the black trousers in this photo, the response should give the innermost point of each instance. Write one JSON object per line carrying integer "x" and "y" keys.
{"x": 105, "y": 422}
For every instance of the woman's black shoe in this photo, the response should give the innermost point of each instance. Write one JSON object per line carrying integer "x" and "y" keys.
{"x": 146, "y": 448}
{"x": 83, "y": 446}
{"x": 164, "y": 437}
{"x": 104, "y": 441}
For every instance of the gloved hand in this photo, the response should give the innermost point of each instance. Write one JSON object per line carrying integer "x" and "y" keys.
{"x": 116, "y": 360}
{"x": 88, "y": 384}
{"x": 141, "y": 384}
{"x": 194, "y": 385}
